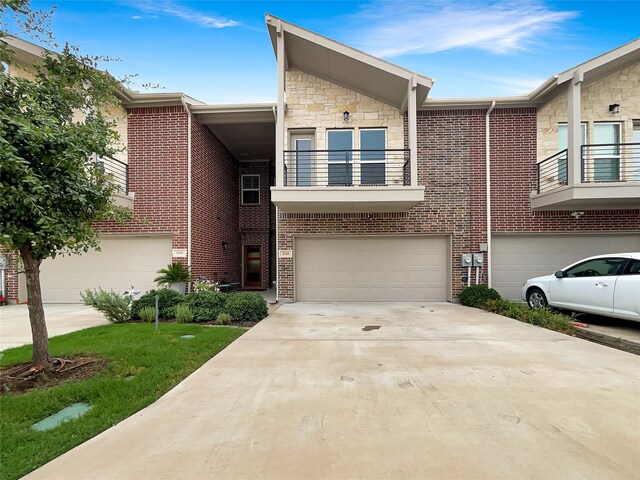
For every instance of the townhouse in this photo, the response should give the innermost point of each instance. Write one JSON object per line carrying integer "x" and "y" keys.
{"x": 356, "y": 186}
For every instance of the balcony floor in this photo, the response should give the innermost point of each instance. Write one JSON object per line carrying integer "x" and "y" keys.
{"x": 346, "y": 199}
{"x": 589, "y": 196}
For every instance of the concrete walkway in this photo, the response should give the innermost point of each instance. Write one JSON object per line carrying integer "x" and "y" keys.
{"x": 439, "y": 391}
{"x": 15, "y": 329}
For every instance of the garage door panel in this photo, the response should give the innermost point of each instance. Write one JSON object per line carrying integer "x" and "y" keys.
{"x": 516, "y": 258}
{"x": 371, "y": 268}
{"x": 122, "y": 262}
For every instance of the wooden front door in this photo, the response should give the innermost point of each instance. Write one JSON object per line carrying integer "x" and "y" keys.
{"x": 252, "y": 266}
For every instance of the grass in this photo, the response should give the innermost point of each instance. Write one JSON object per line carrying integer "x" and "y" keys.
{"x": 543, "y": 317}
{"x": 159, "y": 362}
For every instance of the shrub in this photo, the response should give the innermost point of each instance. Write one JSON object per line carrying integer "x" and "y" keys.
{"x": 166, "y": 300}
{"x": 148, "y": 314}
{"x": 543, "y": 317}
{"x": 206, "y": 305}
{"x": 477, "y": 295}
{"x": 116, "y": 307}
{"x": 223, "y": 319}
{"x": 246, "y": 306}
{"x": 183, "y": 313}
{"x": 173, "y": 273}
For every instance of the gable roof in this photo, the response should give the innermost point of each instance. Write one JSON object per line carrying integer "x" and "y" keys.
{"x": 345, "y": 66}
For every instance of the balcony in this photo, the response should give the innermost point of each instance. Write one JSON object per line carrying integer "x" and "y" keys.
{"x": 338, "y": 181}
{"x": 609, "y": 178}
{"x": 118, "y": 172}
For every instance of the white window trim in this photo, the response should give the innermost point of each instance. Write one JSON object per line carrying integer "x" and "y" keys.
{"x": 242, "y": 189}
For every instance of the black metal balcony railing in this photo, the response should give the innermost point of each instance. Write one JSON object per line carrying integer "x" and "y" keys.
{"x": 552, "y": 172}
{"x": 346, "y": 168}
{"x": 118, "y": 172}
{"x": 614, "y": 162}
{"x": 611, "y": 162}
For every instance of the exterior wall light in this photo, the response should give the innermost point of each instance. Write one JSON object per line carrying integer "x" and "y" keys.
{"x": 614, "y": 108}
{"x": 345, "y": 116}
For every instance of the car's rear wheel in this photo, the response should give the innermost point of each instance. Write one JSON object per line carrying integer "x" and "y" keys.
{"x": 536, "y": 299}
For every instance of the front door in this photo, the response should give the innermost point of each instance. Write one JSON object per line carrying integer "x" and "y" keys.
{"x": 252, "y": 266}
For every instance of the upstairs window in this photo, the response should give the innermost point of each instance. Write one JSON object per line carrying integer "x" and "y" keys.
{"x": 250, "y": 189}
{"x": 373, "y": 143}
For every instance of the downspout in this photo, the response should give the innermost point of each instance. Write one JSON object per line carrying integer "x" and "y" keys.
{"x": 186, "y": 108}
{"x": 488, "y": 181}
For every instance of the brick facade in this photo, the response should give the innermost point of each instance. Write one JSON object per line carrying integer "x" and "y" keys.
{"x": 214, "y": 211}
{"x": 445, "y": 143}
{"x": 255, "y": 220}
{"x": 451, "y": 165}
{"x": 158, "y": 174}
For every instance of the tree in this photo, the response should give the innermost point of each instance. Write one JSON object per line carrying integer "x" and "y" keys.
{"x": 52, "y": 191}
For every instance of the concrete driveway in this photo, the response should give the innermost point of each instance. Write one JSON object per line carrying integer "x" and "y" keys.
{"x": 439, "y": 391}
{"x": 15, "y": 329}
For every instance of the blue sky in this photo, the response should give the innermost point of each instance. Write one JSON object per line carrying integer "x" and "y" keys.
{"x": 219, "y": 52}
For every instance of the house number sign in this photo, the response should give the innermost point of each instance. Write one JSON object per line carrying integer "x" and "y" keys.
{"x": 285, "y": 254}
{"x": 179, "y": 253}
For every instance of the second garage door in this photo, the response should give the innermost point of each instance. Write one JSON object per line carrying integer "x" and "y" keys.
{"x": 517, "y": 258}
{"x": 365, "y": 268}
{"x": 123, "y": 261}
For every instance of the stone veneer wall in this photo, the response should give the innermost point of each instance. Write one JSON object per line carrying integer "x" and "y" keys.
{"x": 319, "y": 104}
{"x": 622, "y": 87}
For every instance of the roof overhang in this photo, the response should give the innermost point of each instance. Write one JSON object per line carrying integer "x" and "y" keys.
{"x": 597, "y": 67}
{"x": 475, "y": 103}
{"x": 247, "y": 130}
{"x": 345, "y": 66}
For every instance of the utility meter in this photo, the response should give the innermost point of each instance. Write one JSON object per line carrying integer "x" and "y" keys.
{"x": 478, "y": 260}
{"x": 466, "y": 260}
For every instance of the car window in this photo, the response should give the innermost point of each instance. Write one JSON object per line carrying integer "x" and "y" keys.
{"x": 597, "y": 267}
{"x": 633, "y": 268}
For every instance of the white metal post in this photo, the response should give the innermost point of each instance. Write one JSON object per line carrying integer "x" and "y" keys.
{"x": 574, "y": 133}
{"x": 280, "y": 110}
{"x": 412, "y": 111}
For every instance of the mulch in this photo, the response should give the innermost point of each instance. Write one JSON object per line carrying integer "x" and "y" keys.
{"x": 26, "y": 376}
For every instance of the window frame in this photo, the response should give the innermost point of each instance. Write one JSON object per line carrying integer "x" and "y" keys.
{"x": 329, "y": 150}
{"x": 614, "y": 155}
{"x": 242, "y": 189}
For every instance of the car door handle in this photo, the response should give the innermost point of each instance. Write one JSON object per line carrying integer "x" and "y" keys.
{"x": 600, "y": 284}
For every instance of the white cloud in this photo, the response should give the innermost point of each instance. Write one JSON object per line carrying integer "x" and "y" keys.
{"x": 171, "y": 9}
{"x": 390, "y": 29}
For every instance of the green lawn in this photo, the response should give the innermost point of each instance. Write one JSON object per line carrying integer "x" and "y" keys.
{"x": 159, "y": 362}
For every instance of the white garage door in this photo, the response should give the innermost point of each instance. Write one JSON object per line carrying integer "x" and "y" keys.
{"x": 371, "y": 269}
{"x": 517, "y": 258}
{"x": 123, "y": 261}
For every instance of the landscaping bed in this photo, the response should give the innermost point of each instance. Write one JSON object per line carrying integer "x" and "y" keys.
{"x": 480, "y": 296}
{"x": 131, "y": 368}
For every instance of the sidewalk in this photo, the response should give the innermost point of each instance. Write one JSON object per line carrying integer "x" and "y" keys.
{"x": 15, "y": 329}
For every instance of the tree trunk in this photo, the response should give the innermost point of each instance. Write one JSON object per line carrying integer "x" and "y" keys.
{"x": 36, "y": 310}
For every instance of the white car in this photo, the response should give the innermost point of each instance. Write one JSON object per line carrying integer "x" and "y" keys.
{"x": 606, "y": 285}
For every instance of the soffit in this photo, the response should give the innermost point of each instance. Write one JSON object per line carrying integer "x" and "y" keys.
{"x": 247, "y": 130}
